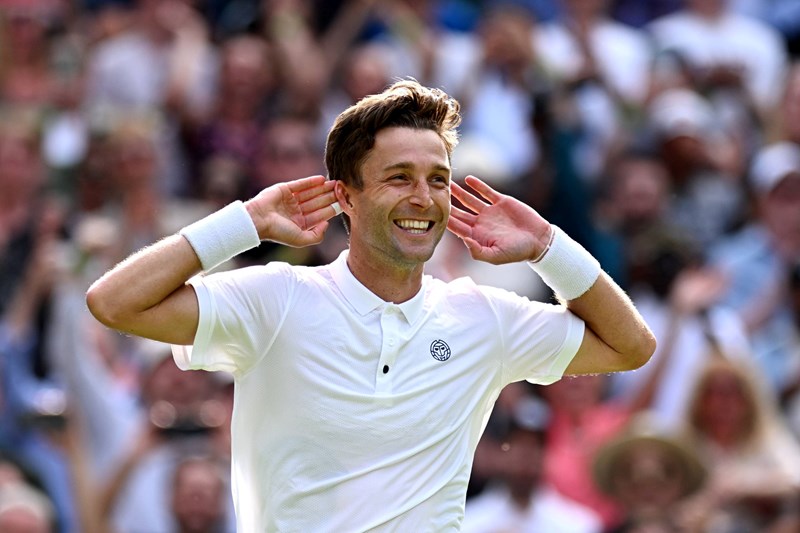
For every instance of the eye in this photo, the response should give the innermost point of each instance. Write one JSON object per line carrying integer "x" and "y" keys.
{"x": 439, "y": 180}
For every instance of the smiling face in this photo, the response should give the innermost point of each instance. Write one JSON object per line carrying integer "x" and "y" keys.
{"x": 401, "y": 213}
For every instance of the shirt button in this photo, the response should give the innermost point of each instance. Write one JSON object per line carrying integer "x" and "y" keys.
{"x": 385, "y": 369}
{"x": 391, "y": 342}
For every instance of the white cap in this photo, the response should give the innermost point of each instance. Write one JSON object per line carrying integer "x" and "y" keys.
{"x": 772, "y": 164}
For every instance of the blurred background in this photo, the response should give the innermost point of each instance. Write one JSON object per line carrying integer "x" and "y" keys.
{"x": 661, "y": 134}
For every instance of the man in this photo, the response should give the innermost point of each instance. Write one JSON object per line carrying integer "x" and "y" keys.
{"x": 362, "y": 386}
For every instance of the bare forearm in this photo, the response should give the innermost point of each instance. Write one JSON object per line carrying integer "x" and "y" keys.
{"x": 128, "y": 296}
{"x": 610, "y": 315}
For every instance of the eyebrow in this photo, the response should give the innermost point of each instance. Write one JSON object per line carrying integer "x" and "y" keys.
{"x": 406, "y": 165}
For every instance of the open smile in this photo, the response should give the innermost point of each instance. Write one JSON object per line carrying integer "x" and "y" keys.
{"x": 416, "y": 227}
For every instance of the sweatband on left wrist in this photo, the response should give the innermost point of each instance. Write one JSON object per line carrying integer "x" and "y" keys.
{"x": 566, "y": 266}
{"x": 222, "y": 235}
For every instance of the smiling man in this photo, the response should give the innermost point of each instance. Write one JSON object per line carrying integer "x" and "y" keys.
{"x": 362, "y": 387}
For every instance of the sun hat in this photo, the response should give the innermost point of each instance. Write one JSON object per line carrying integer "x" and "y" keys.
{"x": 642, "y": 431}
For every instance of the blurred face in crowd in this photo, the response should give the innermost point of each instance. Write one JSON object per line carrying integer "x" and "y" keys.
{"x": 725, "y": 408}
{"x": 780, "y": 210}
{"x": 288, "y": 151}
{"x": 246, "y": 70}
{"x": 506, "y": 35}
{"x": 684, "y": 155}
{"x": 136, "y": 162}
{"x": 640, "y": 191}
{"x": 197, "y": 496}
{"x": 366, "y": 72}
{"x": 647, "y": 479}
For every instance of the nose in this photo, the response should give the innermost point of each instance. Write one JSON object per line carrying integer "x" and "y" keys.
{"x": 421, "y": 195}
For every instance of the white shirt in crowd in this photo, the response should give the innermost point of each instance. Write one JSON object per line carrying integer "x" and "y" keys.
{"x": 494, "y": 511}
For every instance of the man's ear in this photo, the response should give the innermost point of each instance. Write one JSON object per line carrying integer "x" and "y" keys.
{"x": 343, "y": 196}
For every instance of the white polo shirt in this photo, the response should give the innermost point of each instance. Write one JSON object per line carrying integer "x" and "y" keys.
{"x": 355, "y": 414}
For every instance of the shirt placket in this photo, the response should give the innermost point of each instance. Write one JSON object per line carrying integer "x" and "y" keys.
{"x": 391, "y": 322}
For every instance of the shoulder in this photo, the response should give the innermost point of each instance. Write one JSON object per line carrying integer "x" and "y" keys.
{"x": 270, "y": 278}
{"x": 464, "y": 293}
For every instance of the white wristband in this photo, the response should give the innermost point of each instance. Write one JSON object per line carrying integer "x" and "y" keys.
{"x": 222, "y": 235}
{"x": 567, "y": 267}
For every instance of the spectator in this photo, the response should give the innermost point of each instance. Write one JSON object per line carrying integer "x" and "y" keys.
{"x": 650, "y": 473}
{"x": 679, "y": 296}
{"x": 726, "y": 50}
{"x": 120, "y": 106}
{"x": 518, "y": 499}
{"x": 33, "y": 404}
{"x": 199, "y": 495}
{"x": 21, "y": 180}
{"x": 183, "y": 414}
{"x": 583, "y": 420}
{"x": 161, "y": 66}
{"x": 790, "y": 397}
{"x": 247, "y": 84}
{"x": 752, "y": 459}
{"x": 707, "y": 199}
{"x": 758, "y": 259}
{"x": 606, "y": 66}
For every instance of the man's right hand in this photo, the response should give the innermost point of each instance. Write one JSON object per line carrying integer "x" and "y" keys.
{"x": 294, "y": 213}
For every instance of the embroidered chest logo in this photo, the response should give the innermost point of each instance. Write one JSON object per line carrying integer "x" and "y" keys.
{"x": 440, "y": 350}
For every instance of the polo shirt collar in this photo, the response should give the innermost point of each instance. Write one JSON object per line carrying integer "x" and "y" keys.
{"x": 364, "y": 300}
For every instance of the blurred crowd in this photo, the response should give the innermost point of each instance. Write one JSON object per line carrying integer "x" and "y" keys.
{"x": 664, "y": 135}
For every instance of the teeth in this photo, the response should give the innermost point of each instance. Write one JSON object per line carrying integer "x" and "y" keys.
{"x": 415, "y": 226}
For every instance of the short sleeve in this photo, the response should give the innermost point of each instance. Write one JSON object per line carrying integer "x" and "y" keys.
{"x": 240, "y": 313}
{"x": 539, "y": 339}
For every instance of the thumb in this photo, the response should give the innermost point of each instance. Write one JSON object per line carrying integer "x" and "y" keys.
{"x": 473, "y": 246}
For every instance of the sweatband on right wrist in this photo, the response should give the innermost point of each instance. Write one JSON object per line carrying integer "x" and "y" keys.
{"x": 222, "y": 235}
{"x": 567, "y": 267}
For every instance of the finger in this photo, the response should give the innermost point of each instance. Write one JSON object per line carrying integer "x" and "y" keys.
{"x": 491, "y": 195}
{"x": 459, "y": 228}
{"x": 302, "y": 184}
{"x": 319, "y": 201}
{"x": 464, "y": 216}
{"x": 469, "y": 200}
{"x": 313, "y": 191}
{"x": 322, "y": 214}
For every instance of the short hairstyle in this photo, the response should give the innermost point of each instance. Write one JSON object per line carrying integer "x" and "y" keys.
{"x": 405, "y": 104}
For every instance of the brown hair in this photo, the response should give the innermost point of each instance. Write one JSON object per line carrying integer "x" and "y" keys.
{"x": 405, "y": 104}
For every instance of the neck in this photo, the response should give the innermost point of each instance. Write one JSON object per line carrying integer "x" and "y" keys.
{"x": 389, "y": 282}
